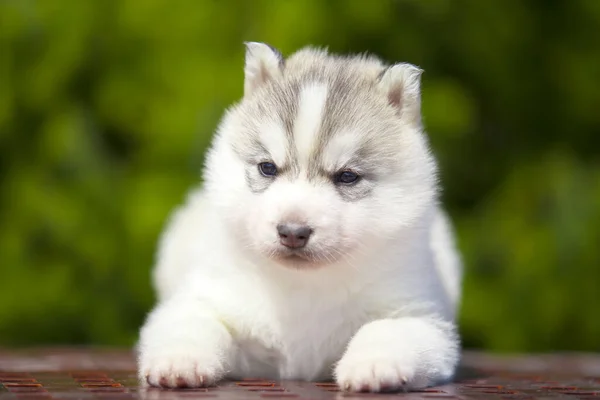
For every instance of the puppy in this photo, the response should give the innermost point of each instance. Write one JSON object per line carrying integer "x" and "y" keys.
{"x": 315, "y": 248}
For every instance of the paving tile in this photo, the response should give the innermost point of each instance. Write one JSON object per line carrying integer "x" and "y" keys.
{"x": 80, "y": 373}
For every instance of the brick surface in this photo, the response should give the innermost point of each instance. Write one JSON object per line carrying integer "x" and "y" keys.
{"x": 79, "y": 373}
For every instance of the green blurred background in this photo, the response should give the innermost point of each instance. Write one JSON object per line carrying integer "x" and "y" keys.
{"x": 106, "y": 108}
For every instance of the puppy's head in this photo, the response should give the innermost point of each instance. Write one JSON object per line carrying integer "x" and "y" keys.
{"x": 323, "y": 158}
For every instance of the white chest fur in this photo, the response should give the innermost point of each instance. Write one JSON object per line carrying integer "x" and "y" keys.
{"x": 286, "y": 332}
{"x": 297, "y": 346}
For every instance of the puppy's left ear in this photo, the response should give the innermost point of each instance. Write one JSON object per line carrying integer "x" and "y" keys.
{"x": 402, "y": 84}
{"x": 262, "y": 64}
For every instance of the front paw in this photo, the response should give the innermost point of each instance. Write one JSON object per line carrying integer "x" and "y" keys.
{"x": 374, "y": 372}
{"x": 393, "y": 354}
{"x": 180, "y": 368}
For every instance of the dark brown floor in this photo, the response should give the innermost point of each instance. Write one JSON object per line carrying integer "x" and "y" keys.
{"x": 71, "y": 373}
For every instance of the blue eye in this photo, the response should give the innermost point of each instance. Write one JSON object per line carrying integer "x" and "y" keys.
{"x": 267, "y": 169}
{"x": 346, "y": 177}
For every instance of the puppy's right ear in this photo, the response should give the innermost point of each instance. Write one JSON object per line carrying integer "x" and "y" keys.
{"x": 263, "y": 63}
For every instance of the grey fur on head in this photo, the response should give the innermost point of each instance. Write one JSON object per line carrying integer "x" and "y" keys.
{"x": 401, "y": 81}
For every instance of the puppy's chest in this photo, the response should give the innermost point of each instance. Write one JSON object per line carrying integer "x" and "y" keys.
{"x": 300, "y": 341}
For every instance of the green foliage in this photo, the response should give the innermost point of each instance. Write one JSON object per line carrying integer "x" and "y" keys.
{"x": 106, "y": 108}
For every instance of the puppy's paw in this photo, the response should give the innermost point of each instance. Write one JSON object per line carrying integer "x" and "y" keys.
{"x": 180, "y": 369}
{"x": 399, "y": 354}
{"x": 374, "y": 373}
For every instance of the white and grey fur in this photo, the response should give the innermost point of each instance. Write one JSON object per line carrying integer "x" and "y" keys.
{"x": 371, "y": 300}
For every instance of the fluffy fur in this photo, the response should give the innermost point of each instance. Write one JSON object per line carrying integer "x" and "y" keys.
{"x": 370, "y": 301}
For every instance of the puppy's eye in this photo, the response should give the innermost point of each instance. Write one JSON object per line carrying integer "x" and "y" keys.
{"x": 267, "y": 169}
{"x": 346, "y": 177}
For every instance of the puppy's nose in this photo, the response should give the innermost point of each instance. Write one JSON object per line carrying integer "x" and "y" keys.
{"x": 293, "y": 236}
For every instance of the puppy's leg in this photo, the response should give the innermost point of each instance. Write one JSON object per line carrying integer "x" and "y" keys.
{"x": 183, "y": 345}
{"x": 404, "y": 353}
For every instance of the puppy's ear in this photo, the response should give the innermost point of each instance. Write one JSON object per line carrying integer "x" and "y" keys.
{"x": 402, "y": 85}
{"x": 262, "y": 64}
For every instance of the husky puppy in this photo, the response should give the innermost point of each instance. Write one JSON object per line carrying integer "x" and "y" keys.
{"x": 316, "y": 248}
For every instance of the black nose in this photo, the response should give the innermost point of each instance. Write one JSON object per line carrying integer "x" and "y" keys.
{"x": 293, "y": 236}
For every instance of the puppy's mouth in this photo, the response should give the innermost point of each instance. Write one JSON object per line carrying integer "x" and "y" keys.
{"x": 294, "y": 257}
{"x": 309, "y": 257}
{"x": 297, "y": 257}
{"x": 294, "y": 254}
